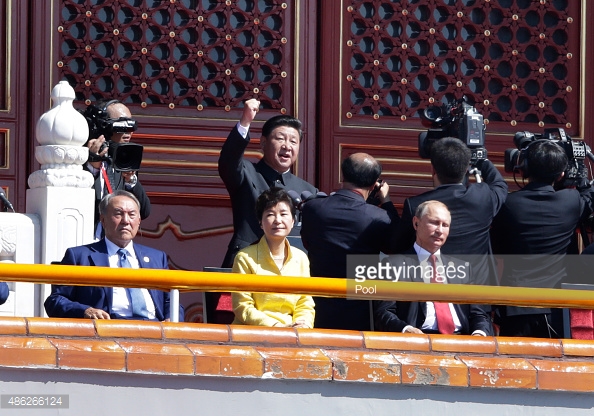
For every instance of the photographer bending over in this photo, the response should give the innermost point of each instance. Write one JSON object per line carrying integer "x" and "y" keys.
{"x": 539, "y": 223}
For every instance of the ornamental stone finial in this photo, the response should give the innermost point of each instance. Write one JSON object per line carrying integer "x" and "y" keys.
{"x": 62, "y": 125}
{"x": 62, "y": 132}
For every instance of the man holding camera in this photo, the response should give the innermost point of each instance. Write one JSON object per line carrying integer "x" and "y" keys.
{"x": 472, "y": 206}
{"x": 120, "y": 125}
{"x": 537, "y": 225}
{"x": 342, "y": 224}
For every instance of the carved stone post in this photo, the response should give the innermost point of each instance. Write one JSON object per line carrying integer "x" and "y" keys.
{"x": 61, "y": 193}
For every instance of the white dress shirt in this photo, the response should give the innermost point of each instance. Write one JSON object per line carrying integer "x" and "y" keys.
{"x": 120, "y": 304}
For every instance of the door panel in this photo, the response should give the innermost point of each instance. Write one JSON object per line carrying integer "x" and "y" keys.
{"x": 384, "y": 62}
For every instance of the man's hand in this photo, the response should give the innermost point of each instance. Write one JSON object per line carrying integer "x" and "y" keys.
{"x": 94, "y": 146}
{"x": 128, "y": 176}
{"x": 299, "y": 324}
{"x": 93, "y": 313}
{"x": 412, "y": 330}
{"x": 250, "y": 109}
{"x": 384, "y": 193}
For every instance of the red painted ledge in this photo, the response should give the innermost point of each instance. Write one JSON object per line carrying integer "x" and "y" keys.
{"x": 284, "y": 353}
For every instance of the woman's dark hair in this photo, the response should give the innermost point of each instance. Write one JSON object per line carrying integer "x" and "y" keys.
{"x": 270, "y": 198}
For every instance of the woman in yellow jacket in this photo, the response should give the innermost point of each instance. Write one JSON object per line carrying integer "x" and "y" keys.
{"x": 273, "y": 256}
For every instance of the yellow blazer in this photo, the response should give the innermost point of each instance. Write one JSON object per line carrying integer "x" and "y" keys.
{"x": 270, "y": 309}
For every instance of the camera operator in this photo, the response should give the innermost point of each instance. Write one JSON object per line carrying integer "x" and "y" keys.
{"x": 107, "y": 178}
{"x": 539, "y": 223}
{"x": 472, "y": 206}
{"x": 343, "y": 224}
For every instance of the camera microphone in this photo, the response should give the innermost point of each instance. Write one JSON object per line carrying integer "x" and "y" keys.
{"x": 306, "y": 196}
{"x": 5, "y": 201}
{"x": 295, "y": 198}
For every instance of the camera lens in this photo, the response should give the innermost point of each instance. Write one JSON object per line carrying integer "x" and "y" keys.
{"x": 432, "y": 113}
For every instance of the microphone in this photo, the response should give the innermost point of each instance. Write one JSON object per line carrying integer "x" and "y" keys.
{"x": 5, "y": 201}
{"x": 295, "y": 198}
{"x": 306, "y": 196}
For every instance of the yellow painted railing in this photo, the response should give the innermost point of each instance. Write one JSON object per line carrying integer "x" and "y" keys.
{"x": 229, "y": 282}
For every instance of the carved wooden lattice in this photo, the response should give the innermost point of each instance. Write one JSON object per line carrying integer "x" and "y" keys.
{"x": 516, "y": 60}
{"x": 188, "y": 53}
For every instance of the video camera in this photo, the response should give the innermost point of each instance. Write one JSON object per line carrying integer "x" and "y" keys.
{"x": 455, "y": 119}
{"x": 576, "y": 173}
{"x": 124, "y": 156}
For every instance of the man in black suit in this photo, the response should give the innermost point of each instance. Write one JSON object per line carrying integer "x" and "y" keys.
{"x": 432, "y": 224}
{"x": 107, "y": 178}
{"x": 537, "y": 225}
{"x": 342, "y": 224}
{"x": 472, "y": 207}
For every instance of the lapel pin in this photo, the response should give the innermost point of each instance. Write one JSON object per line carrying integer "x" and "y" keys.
{"x": 146, "y": 259}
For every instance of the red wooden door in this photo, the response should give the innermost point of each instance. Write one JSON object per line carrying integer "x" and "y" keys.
{"x": 14, "y": 131}
{"x": 519, "y": 62}
{"x": 184, "y": 68}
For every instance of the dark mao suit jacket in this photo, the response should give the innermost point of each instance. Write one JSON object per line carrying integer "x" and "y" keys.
{"x": 245, "y": 181}
{"x": 72, "y": 301}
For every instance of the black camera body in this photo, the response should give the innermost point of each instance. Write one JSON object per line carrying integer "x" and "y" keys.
{"x": 455, "y": 119}
{"x": 125, "y": 156}
{"x": 576, "y": 173}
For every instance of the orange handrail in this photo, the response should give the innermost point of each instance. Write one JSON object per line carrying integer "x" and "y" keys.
{"x": 229, "y": 282}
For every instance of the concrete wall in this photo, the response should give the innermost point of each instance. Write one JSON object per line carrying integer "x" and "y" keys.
{"x": 96, "y": 393}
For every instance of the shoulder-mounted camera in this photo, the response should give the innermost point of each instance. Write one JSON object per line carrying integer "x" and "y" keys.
{"x": 456, "y": 119}
{"x": 575, "y": 174}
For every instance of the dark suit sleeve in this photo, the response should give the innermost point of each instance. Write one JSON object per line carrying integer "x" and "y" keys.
{"x": 231, "y": 160}
{"x": 497, "y": 184}
{"x": 403, "y": 236}
{"x": 4, "y": 292}
{"x": 586, "y": 202}
{"x": 392, "y": 226}
{"x": 59, "y": 303}
{"x": 385, "y": 315}
{"x": 478, "y": 319}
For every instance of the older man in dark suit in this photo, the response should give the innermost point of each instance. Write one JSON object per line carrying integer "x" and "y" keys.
{"x": 120, "y": 218}
{"x": 343, "y": 224}
{"x": 432, "y": 224}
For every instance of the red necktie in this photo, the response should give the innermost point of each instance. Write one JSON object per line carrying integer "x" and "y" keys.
{"x": 106, "y": 180}
{"x": 445, "y": 322}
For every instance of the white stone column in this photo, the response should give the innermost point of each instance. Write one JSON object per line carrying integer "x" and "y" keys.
{"x": 60, "y": 192}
